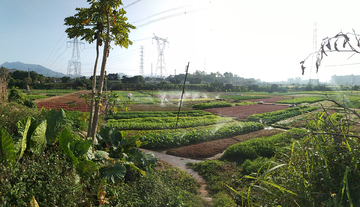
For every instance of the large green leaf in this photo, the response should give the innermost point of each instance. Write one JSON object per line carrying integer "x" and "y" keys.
{"x": 56, "y": 122}
{"x": 38, "y": 139}
{"x": 113, "y": 173}
{"x": 86, "y": 167}
{"x": 7, "y": 151}
{"x": 81, "y": 147}
{"x": 20, "y": 143}
{"x": 101, "y": 155}
{"x": 66, "y": 141}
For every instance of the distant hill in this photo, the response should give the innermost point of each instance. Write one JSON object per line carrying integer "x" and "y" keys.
{"x": 33, "y": 67}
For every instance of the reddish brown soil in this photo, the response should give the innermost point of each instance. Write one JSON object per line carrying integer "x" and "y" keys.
{"x": 65, "y": 101}
{"x": 209, "y": 149}
{"x": 242, "y": 112}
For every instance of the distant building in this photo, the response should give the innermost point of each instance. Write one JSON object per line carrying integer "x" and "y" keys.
{"x": 345, "y": 80}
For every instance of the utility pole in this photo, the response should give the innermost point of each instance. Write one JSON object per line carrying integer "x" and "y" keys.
{"x": 161, "y": 42}
{"x": 74, "y": 63}
{"x": 141, "y": 72}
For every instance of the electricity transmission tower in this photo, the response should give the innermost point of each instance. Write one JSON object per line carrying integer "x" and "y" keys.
{"x": 160, "y": 65}
{"x": 74, "y": 64}
{"x": 141, "y": 72}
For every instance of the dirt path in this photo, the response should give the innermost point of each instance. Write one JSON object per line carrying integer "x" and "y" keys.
{"x": 180, "y": 163}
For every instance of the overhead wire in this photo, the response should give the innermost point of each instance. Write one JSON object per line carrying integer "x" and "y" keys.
{"x": 154, "y": 15}
{"x": 131, "y": 4}
{"x": 54, "y": 48}
{"x": 171, "y": 16}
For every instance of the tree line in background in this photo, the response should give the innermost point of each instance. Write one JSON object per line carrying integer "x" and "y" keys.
{"x": 213, "y": 82}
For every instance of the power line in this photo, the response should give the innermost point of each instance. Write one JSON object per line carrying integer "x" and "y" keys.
{"x": 171, "y": 16}
{"x": 154, "y": 15}
{"x": 131, "y": 4}
{"x": 54, "y": 48}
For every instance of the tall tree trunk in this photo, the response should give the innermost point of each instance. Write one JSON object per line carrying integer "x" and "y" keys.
{"x": 101, "y": 81}
{"x": 92, "y": 108}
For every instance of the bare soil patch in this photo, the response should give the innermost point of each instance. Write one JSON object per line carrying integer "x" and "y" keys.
{"x": 242, "y": 112}
{"x": 64, "y": 102}
{"x": 210, "y": 149}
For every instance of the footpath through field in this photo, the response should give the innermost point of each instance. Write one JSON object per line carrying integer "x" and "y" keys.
{"x": 180, "y": 163}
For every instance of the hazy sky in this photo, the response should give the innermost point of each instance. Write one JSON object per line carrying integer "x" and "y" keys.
{"x": 259, "y": 39}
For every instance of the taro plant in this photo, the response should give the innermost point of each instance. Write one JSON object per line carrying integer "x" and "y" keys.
{"x": 122, "y": 155}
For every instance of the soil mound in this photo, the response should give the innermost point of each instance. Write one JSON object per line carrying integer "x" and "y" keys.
{"x": 209, "y": 149}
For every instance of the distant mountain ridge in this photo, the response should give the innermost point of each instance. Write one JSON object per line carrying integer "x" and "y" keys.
{"x": 39, "y": 69}
{"x": 32, "y": 67}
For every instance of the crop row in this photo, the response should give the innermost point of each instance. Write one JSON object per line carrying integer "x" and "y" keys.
{"x": 275, "y": 116}
{"x": 33, "y": 97}
{"x": 211, "y": 105}
{"x": 166, "y": 122}
{"x": 176, "y": 139}
{"x": 260, "y": 147}
{"x": 144, "y": 114}
{"x": 309, "y": 99}
{"x": 240, "y": 97}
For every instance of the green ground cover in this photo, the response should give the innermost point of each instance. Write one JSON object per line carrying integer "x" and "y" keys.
{"x": 165, "y": 122}
{"x": 309, "y": 99}
{"x": 177, "y": 139}
{"x": 240, "y": 97}
{"x": 275, "y": 116}
{"x": 34, "y": 97}
{"x": 144, "y": 114}
{"x": 36, "y": 92}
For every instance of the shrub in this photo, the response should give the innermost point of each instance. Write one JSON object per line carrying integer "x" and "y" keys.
{"x": 10, "y": 113}
{"x": 49, "y": 178}
{"x": 77, "y": 119}
{"x": 29, "y": 103}
{"x": 165, "y": 187}
{"x": 15, "y": 96}
{"x": 321, "y": 169}
{"x": 223, "y": 200}
{"x": 258, "y": 165}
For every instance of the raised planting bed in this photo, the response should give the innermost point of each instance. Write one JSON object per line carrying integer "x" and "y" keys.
{"x": 242, "y": 112}
{"x": 151, "y": 123}
{"x": 177, "y": 139}
{"x": 309, "y": 99}
{"x": 275, "y": 116}
{"x": 212, "y": 148}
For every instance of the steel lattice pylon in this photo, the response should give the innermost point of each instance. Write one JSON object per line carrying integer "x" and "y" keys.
{"x": 161, "y": 42}
{"x": 74, "y": 64}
